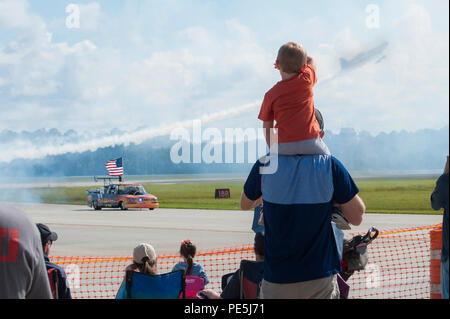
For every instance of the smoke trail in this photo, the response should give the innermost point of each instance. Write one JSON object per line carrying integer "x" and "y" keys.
{"x": 138, "y": 137}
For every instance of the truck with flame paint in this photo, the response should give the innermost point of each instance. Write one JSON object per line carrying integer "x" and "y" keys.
{"x": 123, "y": 196}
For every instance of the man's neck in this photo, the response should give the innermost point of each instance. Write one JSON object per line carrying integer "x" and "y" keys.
{"x": 287, "y": 76}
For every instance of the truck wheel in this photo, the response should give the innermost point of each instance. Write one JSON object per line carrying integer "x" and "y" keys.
{"x": 122, "y": 206}
{"x": 151, "y": 208}
{"x": 95, "y": 205}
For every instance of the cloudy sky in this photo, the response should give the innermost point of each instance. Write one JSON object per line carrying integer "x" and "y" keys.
{"x": 130, "y": 64}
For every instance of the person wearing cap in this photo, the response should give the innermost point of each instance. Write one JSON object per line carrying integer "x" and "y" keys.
{"x": 47, "y": 239}
{"x": 144, "y": 260}
{"x": 22, "y": 269}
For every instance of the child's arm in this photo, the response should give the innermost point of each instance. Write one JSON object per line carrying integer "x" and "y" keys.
{"x": 268, "y": 126}
{"x": 310, "y": 61}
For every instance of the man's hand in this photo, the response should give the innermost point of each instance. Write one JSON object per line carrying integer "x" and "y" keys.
{"x": 210, "y": 294}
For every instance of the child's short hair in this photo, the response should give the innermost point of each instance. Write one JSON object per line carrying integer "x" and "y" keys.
{"x": 291, "y": 57}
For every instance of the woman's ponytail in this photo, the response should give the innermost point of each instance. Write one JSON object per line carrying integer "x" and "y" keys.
{"x": 188, "y": 250}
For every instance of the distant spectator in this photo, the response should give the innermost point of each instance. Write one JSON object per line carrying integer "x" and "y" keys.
{"x": 144, "y": 260}
{"x": 439, "y": 199}
{"x": 22, "y": 268}
{"x": 47, "y": 239}
{"x": 233, "y": 289}
{"x": 191, "y": 268}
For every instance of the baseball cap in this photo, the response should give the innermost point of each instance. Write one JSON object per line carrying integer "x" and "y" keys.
{"x": 46, "y": 233}
{"x": 143, "y": 250}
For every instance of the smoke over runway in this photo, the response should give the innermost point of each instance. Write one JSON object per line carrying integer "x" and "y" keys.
{"x": 11, "y": 152}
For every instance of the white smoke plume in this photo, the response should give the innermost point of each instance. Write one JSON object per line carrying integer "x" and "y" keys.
{"x": 9, "y": 153}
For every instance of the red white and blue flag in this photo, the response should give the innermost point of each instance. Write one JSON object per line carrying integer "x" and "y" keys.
{"x": 115, "y": 167}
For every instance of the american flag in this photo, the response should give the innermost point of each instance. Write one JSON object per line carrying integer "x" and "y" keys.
{"x": 115, "y": 167}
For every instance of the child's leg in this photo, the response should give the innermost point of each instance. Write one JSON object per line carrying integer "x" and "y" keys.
{"x": 313, "y": 146}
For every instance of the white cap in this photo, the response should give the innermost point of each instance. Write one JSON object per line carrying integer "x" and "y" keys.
{"x": 143, "y": 250}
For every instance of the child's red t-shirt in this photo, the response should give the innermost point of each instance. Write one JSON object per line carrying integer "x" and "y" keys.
{"x": 290, "y": 103}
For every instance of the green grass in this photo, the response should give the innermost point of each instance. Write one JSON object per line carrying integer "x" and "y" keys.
{"x": 410, "y": 196}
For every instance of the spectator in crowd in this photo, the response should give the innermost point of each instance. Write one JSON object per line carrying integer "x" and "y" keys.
{"x": 298, "y": 203}
{"x": 22, "y": 268}
{"x": 144, "y": 260}
{"x": 47, "y": 239}
{"x": 233, "y": 289}
{"x": 439, "y": 199}
{"x": 191, "y": 268}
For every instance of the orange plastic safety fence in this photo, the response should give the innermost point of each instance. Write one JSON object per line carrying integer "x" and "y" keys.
{"x": 399, "y": 267}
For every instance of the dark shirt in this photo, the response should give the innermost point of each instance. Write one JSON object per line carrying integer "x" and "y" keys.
{"x": 63, "y": 289}
{"x": 439, "y": 199}
{"x": 299, "y": 242}
{"x": 233, "y": 288}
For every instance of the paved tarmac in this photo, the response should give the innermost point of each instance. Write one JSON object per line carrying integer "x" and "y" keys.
{"x": 111, "y": 232}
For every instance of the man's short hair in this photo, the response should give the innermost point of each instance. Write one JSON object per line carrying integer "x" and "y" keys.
{"x": 291, "y": 57}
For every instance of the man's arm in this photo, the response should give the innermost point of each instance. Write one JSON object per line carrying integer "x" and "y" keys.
{"x": 251, "y": 194}
{"x": 440, "y": 191}
{"x": 353, "y": 210}
{"x": 247, "y": 203}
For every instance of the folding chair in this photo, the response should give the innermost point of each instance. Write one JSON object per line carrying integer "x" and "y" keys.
{"x": 225, "y": 280}
{"x": 52, "y": 274}
{"x": 142, "y": 286}
{"x": 250, "y": 276}
{"x": 193, "y": 285}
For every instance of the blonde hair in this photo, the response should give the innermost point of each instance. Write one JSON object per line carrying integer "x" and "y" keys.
{"x": 291, "y": 57}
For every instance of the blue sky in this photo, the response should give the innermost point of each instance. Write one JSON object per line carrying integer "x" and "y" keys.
{"x": 149, "y": 63}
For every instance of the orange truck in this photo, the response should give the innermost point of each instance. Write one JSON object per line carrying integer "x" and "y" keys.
{"x": 123, "y": 196}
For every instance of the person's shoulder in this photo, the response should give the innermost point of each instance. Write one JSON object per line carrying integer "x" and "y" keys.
{"x": 337, "y": 166}
{"x": 443, "y": 178}
{"x": 180, "y": 265}
{"x": 197, "y": 266}
{"x": 274, "y": 90}
{"x": 335, "y": 161}
{"x": 49, "y": 265}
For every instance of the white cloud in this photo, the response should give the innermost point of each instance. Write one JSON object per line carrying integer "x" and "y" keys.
{"x": 90, "y": 16}
{"x": 201, "y": 70}
{"x": 408, "y": 89}
{"x": 14, "y": 14}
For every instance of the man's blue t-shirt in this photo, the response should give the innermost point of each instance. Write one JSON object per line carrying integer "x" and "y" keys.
{"x": 299, "y": 239}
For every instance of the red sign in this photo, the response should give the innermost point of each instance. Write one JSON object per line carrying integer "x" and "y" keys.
{"x": 222, "y": 193}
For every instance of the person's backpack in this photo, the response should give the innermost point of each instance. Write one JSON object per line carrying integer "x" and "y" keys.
{"x": 355, "y": 256}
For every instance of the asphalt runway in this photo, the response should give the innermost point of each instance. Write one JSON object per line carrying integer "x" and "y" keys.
{"x": 111, "y": 232}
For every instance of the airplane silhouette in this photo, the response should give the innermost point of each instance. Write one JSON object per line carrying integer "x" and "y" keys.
{"x": 364, "y": 57}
